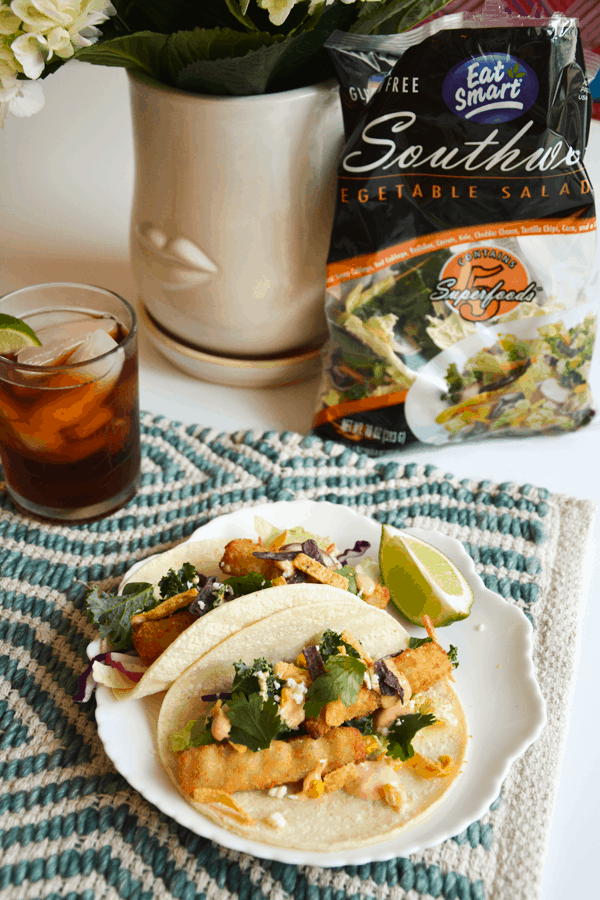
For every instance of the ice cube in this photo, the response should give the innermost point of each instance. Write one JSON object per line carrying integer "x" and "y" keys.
{"x": 78, "y": 329}
{"x": 60, "y": 340}
{"x": 48, "y": 318}
{"x": 104, "y": 370}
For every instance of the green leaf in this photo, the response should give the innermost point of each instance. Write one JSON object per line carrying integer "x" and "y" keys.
{"x": 176, "y": 582}
{"x": 112, "y": 612}
{"x": 341, "y": 681}
{"x": 174, "y": 15}
{"x": 248, "y": 584}
{"x": 187, "y": 49}
{"x": 238, "y": 9}
{"x": 453, "y": 656}
{"x": 331, "y": 641}
{"x": 364, "y": 724}
{"x": 254, "y": 722}
{"x": 414, "y": 642}
{"x": 403, "y": 731}
{"x": 136, "y": 52}
{"x": 393, "y": 16}
{"x": 280, "y": 63}
{"x": 350, "y": 573}
{"x": 245, "y": 680}
{"x": 196, "y": 733}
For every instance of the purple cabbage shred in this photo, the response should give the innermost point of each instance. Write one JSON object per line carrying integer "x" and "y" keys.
{"x": 359, "y": 548}
{"x": 86, "y": 683}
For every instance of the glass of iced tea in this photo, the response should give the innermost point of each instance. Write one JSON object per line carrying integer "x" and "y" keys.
{"x": 69, "y": 415}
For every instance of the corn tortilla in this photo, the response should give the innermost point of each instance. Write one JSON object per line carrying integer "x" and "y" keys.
{"x": 338, "y": 820}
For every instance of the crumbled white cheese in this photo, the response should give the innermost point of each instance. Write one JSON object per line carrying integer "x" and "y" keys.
{"x": 279, "y": 791}
{"x": 374, "y": 681}
{"x": 217, "y": 585}
{"x": 276, "y": 820}
{"x": 384, "y": 731}
{"x": 367, "y": 679}
{"x": 262, "y": 682}
{"x": 201, "y": 604}
{"x": 298, "y": 690}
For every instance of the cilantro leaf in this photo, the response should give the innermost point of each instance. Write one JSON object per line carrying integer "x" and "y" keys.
{"x": 112, "y": 612}
{"x": 248, "y": 584}
{"x": 196, "y": 733}
{"x": 254, "y": 722}
{"x": 341, "y": 681}
{"x": 403, "y": 731}
{"x": 453, "y": 656}
{"x": 176, "y": 582}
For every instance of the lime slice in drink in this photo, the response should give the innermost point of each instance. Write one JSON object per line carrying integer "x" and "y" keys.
{"x": 422, "y": 580}
{"x": 15, "y": 334}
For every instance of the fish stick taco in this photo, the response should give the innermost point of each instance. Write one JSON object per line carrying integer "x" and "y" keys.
{"x": 181, "y": 603}
{"x": 323, "y": 725}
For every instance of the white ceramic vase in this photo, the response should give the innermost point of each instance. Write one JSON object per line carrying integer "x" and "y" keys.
{"x": 231, "y": 217}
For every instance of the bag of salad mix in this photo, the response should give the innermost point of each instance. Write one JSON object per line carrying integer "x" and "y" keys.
{"x": 459, "y": 295}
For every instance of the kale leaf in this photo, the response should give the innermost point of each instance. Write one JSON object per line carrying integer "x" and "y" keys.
{"x": 364, "y": 724}
{"x": 331, "y": 642}
{"x": 245, "y": 680}
{"x": 453, "y": 656}
{"x": 254, "y": 722}
{"x": 341, "y": 681}
{"x": 403, "y": 731}
{"x": 176, "y": 582}
{"x": 414, "y": 642}
{"x": 112, "y": 612}
{"x": 248, "y": 584}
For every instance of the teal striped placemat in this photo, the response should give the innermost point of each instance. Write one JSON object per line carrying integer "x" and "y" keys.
{"x": 71, "y": 827}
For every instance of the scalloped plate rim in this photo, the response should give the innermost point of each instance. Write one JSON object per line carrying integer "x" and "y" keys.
{"x": 447, "y": 820}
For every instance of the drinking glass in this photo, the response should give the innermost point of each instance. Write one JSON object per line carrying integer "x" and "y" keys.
{"x": 69, "y": 413}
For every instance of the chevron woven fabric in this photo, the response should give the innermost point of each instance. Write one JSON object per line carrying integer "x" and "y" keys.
{"x": 72, "y": 828}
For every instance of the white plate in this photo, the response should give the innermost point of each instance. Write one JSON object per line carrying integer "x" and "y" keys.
{"x": 496, "y": 682}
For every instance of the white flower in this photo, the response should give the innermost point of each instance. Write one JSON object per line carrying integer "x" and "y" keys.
{"x": 278, "y": 10}
{"x": 27, "y": 99}
{"x": 59, "y": 42}
{"x": 41, "y": 15}
{"x": 28, "y": 51}
{"x": 9, "y": 23}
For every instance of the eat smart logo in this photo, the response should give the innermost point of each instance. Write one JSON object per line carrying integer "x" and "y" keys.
{"x": 489, "y": 89}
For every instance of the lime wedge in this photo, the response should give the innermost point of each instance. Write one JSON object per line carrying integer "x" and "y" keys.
{"x": 15, "y": 334}
{"x": 422, "y": 580}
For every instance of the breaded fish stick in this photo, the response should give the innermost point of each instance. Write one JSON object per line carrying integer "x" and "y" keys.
{"x": 152, "y": 638}
{"x": 336, "y": 712}
{"x": 422, "y": 667}
{"x": 221, "y": 767}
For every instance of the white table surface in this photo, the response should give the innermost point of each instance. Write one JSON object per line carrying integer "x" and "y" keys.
{"x": 66, "y": 181}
